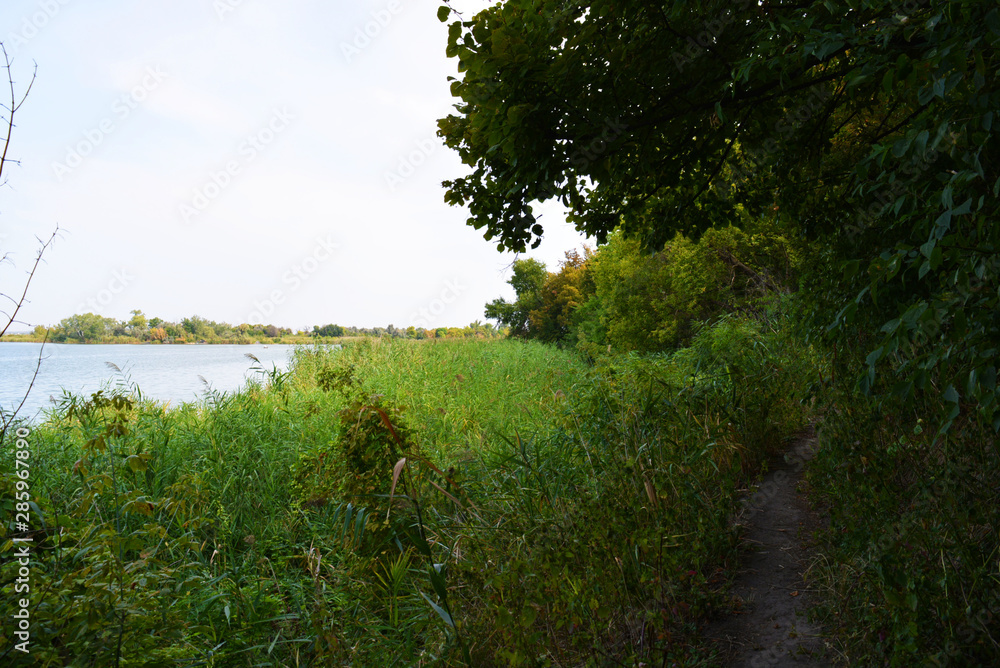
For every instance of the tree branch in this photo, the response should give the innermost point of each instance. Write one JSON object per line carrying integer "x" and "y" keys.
{"x": 14, "y": 104}
{"x": 24, "y": 293}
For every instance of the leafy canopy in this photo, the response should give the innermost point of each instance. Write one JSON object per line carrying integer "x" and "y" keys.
{"x": 866, "y": 124}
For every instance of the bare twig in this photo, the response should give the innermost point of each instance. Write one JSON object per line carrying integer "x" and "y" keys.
{"x": 11, "y": 110}
{"x": 24, "y": 293}
{"x": 15, "y": 104}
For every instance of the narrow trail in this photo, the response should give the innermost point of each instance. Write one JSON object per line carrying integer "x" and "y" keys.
{"x": 770, "y": 624}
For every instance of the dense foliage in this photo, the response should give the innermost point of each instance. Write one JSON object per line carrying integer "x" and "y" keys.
{"x": 862, "y": 131}
{"x": 631, "y": 299}
{"x": 543, "y": 511}
{"x": 756, "y": 174}
{"x": 868, "y": 126}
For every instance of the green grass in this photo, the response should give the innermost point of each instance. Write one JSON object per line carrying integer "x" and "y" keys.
{"x": 912, "y": 552}
{"x": 548, "y": 512}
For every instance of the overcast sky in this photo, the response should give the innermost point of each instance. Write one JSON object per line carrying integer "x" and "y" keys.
{"x": 242, "y": 160}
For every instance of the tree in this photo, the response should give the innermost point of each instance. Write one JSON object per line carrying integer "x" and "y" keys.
{"x": 527, "y": 279}
{"x": 138, "y": 324}
{"x": 85, "y": 328}
{"x": 328, "y": 330}
{"x": 867, "y": 126}
{"x": 199, "y": 327}
{"x": 560, "y": 295}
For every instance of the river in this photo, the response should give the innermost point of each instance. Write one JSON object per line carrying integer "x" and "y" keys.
{"x": 169, "y": 373}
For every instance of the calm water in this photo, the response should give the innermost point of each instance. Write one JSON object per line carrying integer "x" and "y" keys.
{"x": 162, "y": 372}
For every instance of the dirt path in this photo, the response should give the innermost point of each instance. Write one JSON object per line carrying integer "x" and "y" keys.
{"x": 770, "y": 624}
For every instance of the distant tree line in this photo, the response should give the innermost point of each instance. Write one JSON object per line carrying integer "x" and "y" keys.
{"x": 475, "y": 329}
{"x": 93, "y": 328}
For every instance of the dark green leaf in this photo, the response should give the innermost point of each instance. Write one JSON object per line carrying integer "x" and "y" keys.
{"x": 441, "y": 612}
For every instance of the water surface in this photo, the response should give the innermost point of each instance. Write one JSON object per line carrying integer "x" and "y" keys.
{"x": 170, "y": 373}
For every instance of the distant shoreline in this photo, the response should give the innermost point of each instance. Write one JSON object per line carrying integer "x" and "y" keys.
{"x": 291, "y": 341}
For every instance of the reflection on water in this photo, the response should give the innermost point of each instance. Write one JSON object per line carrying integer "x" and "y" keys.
{"x": 171, "y": 373}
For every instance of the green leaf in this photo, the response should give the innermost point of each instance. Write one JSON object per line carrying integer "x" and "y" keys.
{"x": 442, "y": 613}
{"x": 901, "y": 146}
{"x": 942, "y": 224}
{"x": 939, "y": 87}
{"x": 360, "y": 524}
{"x": 874, "y": 356}
{"x": 891, "y": 326}
{"x": 438, "y": 581}
{"x": 887, "y": 81}
{"x": 950, "y": 394}
{"x": 851, "y": 269}
{"x": 993, "y": 21}
{"x": 935, "y": 258}
{"x": 444, "y": 12}
{"x": 970, "y": 385}
{"x": 989, "y": 378}
{"x": 137, "y": 463}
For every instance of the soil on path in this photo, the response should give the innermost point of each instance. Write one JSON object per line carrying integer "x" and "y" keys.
{"x": 770, "y": 625}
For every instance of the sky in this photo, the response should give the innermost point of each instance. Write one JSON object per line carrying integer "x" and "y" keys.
{"x": 245, "y": 161}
